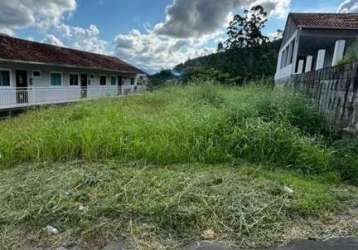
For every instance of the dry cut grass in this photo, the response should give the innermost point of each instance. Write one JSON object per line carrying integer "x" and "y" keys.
{"x": 164, "y": 207}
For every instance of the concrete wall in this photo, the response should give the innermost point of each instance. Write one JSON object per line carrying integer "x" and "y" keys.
{"x": 335, "y": 89}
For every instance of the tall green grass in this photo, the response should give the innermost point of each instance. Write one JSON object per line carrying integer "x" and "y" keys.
{"x": 197, "y": 123}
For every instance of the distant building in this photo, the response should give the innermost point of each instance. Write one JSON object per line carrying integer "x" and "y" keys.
{"x": 33, "y": 73}
{"x": 312, "y": 41}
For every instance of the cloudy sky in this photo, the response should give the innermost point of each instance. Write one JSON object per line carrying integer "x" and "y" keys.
{"x": 152, "y": 34}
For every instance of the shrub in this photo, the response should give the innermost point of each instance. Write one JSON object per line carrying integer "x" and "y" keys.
{"x": 345, "y": 159}
{"x": 351, "y": 54}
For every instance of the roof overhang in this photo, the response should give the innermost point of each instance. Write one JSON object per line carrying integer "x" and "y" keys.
{"x": 68, "y": 66}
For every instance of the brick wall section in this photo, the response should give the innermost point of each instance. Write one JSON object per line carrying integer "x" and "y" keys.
{"x": 335, "y": 90}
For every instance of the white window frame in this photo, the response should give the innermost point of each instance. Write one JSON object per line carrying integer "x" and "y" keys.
{"x": 10, "y": 78}
{"x": 55, "y": 72}
{"x": 32, "y": 74}
{"x": 79, "y": 79}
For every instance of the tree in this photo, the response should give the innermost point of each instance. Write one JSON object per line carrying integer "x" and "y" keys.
{"x": 246, "y": 31}
{"x": 220, "y": 47}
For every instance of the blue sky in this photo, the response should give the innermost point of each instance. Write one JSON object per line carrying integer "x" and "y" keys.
{"x": 152, "y": 34}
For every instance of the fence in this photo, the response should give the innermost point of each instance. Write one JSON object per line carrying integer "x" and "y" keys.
{"x": 32, "y": 96}
{"x": 335, "y": 90}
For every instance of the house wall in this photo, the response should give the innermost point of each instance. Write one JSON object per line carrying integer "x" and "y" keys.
{"x": 335, "y": 90}
{"x": 290, "y": 29}
{"x": 40, "y": 91}
{"x": 286, "y": 70}
{"x": 44, "y": 79}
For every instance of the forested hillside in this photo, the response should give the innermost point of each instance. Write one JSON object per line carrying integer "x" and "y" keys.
{"x": 232, "y": 66}
{"x": 245, "y": 63}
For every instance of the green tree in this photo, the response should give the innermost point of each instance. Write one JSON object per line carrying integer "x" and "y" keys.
{"x": 246, "y": 31}
{"x": 220, "y": 47}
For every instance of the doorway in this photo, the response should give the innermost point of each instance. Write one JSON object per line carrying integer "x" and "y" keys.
{"x": 84, "y": 84}
{"x": 120, "y": 83}
{"x": 22, "y": 95}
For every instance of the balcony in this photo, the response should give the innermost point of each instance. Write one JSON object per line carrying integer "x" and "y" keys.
{"x": 12, "y": 98}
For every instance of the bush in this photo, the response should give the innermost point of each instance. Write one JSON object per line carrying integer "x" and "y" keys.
{"x": 351, "y": 54}
{"x": 345, "y": 159}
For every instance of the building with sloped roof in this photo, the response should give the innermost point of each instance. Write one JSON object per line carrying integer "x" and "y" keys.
{"x": 33, "y": 73}
{"x": 312, "y": 41}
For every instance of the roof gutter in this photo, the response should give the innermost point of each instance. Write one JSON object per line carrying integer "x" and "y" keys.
{"x": 325, "y": 28}
{"x": 68, "y": 66}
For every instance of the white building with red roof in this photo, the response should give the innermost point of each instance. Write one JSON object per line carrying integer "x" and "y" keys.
{"x": 34, "y": 73}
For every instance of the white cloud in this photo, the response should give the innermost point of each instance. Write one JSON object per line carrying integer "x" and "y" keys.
{"x": 198, "y": 17}
{"x": 276, "y": 35}
{"x": 278, "y": 8}
{"x": 87, "y": 39}
{"x": 186, "y": 32}
{"x": 53, "y": 40}
{"x": 348, "y": 6}
{"x": 48, "y": 17}
{"x": 15, "y": 14}
{"x": 153, "y": 52}
{"x": 6, "y": 31}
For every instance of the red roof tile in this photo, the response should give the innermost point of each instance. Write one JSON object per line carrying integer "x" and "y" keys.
{"x": 22, "y": 50}
{"x": 326, "y": 20}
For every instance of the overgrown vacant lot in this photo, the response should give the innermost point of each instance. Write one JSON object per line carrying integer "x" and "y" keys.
{"x": 176, "y": 165}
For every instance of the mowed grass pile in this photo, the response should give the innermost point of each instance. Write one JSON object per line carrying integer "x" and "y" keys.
{"x": 199, "y": 123}
{"x": 166, "y": 207}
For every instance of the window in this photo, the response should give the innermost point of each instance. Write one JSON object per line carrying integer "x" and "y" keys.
{"x": 103, "y": 80}
{"x": 56, "y": 79}
{"x": 4, "y": 78}
{"x": 292, "y": 46}
{"x": 36, "y": 73}
{"x": 283, "y": 59}
{"x": 132, "y": 81}
{"x": 113, "y": 81}
{"x": 74, "y": 80}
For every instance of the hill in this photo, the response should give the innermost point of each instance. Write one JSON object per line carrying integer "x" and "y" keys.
{"x": 231, "y": 66}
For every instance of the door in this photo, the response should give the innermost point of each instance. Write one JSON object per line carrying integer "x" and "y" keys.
{"x": 120, "y": 83}
{"x": 22, "y": 95}
{"x": 84, "y": 86}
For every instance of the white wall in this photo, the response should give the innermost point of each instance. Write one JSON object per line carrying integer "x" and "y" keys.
{"x": 44, "y": 79}
{"x": 41, "y": 91}
{"x": 287, "y": 70}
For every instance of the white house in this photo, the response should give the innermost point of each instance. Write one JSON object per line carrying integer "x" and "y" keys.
{"x": 312, "y": 41}
{"x": 33, "y": 73}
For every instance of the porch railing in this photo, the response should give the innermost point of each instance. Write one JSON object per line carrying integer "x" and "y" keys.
{"x": 31, "y": 96}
